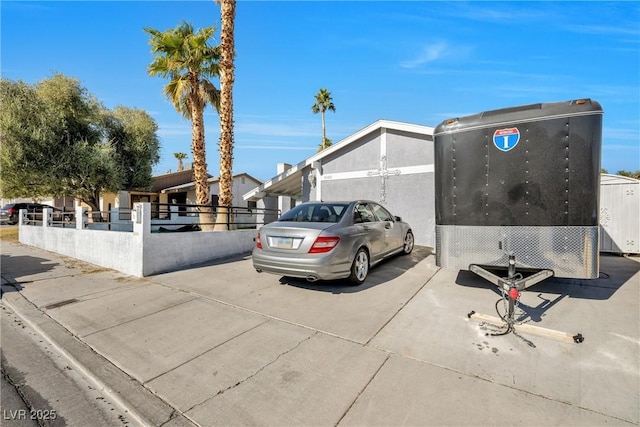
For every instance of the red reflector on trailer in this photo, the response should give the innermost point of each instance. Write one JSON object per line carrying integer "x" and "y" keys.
{"x": 514, "y": 293}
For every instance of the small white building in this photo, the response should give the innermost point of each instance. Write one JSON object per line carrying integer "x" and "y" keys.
{"x": 186, "y": 193}
{"x": 247, "y": 214}
{"x": 619, "y": 214}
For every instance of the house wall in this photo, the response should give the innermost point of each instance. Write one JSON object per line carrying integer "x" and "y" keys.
{"x": 108, "y": 200}
{"x": 267, "y": 210}
{"x": 122, "y": 199}
{"x": 241, "y": 185}
{"x": 412, "y": 195}
{"x": 359, "y": 155}
{"x": 407, "y": 149}
{"x": 412, "y": 198}
{"x": 309, "y": 192}
{"x": 394, "y": 168}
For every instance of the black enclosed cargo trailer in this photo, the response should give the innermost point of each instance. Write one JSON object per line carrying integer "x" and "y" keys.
{"x": 520, "y": 184}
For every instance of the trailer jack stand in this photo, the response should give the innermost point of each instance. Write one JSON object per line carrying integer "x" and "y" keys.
{"x": 512, "y": 284}
{"x": 510, "y": 287}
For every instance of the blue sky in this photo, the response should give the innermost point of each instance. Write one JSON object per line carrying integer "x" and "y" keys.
{"x": 418, "y": 62}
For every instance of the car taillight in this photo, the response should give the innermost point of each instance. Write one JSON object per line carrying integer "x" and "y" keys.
{"x": 324, "y": 244}
{"x": 258, "y": 242}
{"x": 11, "y": 211}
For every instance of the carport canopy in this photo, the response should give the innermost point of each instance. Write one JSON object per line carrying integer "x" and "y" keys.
{"x": 288, "y": 183}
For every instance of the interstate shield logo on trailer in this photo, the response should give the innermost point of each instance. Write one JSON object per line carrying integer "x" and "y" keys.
{"x": 506, "y": 139}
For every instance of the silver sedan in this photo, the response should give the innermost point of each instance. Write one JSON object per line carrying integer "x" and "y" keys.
{"x": 331, "y": 240}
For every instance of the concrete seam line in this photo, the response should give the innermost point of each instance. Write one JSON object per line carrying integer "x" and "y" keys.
{"x": 258, "y": 371}
{"x": 375, "y": 374}
{"x": 206, "y": 351}
{"x": 400, "y": 309}
{"x": 139, "y": 317}
{"x": 521, "y": 390}
{"x": 80, "y": 367}
{"x": 268, "y": 316}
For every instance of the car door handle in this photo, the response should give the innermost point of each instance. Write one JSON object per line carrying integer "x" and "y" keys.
{"x": 387, "y": 225}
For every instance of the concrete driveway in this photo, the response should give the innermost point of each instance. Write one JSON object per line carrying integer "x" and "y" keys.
{"x": 225, "y": 345}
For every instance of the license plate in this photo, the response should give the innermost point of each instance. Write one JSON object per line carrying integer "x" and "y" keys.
{"x": 281, "y": 242}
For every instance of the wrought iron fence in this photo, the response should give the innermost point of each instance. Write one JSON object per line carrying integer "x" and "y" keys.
{"x": 188, "y": 217}
{"x": 165, "y": 217}
{"x": 59, "y": 218}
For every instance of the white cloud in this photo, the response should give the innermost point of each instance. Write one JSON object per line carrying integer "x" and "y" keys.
{"x": 628, "y": 134}
{"x": 429, "y": 53}
{"x": 620, "y": 30}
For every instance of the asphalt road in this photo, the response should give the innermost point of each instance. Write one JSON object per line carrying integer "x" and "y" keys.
{"x": 15, "y": 412}
{"x": 40, "y": 386}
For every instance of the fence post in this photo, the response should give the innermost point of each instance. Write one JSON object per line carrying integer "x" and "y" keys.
{"x": 22, "y": 216}
{"x": 82, "y": 217}
{"x": 47, "y": 216}
{"x": 141, "y": 218}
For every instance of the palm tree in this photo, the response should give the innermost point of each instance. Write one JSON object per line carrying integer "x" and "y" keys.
{"x": 325, "y": 144}
{"x": 323, "y": 103}
{"x": 180, "y": 157}
{"x": 227, "y": 73}
{"x": 186, "y": 58}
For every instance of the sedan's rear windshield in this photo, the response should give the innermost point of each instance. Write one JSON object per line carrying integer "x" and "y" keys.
{"x": 316, "y": 212}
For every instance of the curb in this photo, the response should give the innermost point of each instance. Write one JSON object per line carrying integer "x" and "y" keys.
{"x": 144, "y": 407}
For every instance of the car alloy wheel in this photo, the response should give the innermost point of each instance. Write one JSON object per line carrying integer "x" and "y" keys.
{"x": 408, "y": 243}
{"x": 360, "y": 267}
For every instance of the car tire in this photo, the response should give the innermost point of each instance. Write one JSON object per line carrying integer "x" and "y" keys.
{"x": 360, "y": 267}
{"x": 408, "y": 243}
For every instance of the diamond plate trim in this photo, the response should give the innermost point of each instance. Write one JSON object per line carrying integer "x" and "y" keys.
{"x": 570, "y": 252}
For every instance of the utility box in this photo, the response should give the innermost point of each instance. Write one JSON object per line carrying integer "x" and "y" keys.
{"x": 523, "y": 182}
{"x": 619, "y": 214}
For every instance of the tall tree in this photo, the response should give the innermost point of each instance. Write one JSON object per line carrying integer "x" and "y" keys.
{"x": 326, "y": 144}
{"x": 227, "y": 77}
{"x": 133, "y": 133}
{"x": 187, "y": 59}
{"x": 629, "y": 174}
{"x": 324, "y": 102}
{"x": 180, "y": 157}
{"x": 58, "y": 140}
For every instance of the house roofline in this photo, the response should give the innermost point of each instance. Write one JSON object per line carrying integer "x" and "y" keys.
{"x": 211, "y": 180}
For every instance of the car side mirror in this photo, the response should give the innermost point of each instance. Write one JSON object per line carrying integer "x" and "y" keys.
{"x": 397, "y": 218}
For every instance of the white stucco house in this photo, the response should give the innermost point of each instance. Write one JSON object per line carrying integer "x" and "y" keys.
{"x": 247, "y": 214}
